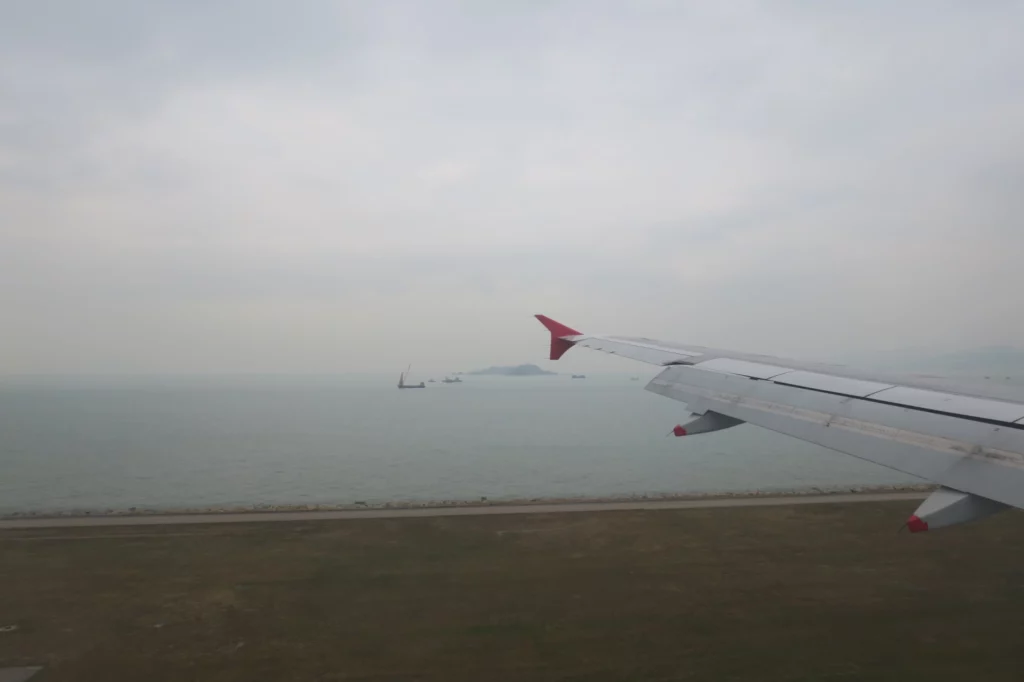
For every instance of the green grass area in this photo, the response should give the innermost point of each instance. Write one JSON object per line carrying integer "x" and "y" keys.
{"x": 816, "y": 592}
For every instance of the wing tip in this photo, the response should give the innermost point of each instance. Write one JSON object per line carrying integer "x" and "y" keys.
{"x": 559, "y": 345}
{"x": 557, "y": 328}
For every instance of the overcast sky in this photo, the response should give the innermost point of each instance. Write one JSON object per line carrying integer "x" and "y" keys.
{"x": 257, "y": 186}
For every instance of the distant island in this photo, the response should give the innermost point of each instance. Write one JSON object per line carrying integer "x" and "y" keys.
{"x": 517, "y": 371}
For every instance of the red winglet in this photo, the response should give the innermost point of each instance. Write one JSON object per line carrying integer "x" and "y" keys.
{"x": 558, "y": 330}
{"x": 917, "y": 525}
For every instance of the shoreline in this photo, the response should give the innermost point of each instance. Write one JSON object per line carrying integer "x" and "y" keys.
{"x": 482, "y": 503}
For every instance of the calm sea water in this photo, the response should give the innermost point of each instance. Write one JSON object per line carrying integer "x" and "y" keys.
{"x": 175, "y": 444}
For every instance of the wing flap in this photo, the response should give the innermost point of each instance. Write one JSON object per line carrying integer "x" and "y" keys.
{"x": 745, "y": 368}
{"x": 832, "y": 384}
{"x": 950, "y": 403}
{"x": 976, "y": 457}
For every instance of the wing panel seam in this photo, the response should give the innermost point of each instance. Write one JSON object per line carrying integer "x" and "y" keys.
{"x": 826, "y": 419}
{"x": 868, "y": 399}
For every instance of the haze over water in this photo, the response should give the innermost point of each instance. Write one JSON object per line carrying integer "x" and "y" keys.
{"x": 164, "y": 444}
{"x": 330, "y": 187}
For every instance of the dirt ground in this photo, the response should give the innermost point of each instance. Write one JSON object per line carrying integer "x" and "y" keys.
{"x": 814, "y": 592}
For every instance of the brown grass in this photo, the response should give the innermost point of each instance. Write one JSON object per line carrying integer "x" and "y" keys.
{"x": 821, "y": 592}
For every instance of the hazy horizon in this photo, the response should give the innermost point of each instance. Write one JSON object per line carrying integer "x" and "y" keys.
{"x": 332, "y": 187}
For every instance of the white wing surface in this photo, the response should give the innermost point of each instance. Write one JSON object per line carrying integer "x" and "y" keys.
{"x": 967, "y": 439}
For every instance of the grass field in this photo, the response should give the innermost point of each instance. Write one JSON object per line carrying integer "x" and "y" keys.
{"x": 818, "y": 592}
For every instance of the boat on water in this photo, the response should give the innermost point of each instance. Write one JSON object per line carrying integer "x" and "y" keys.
{"x": 449, "y": 380}
{"x": 401, "y": 380}
{"x": 579, "y": 376}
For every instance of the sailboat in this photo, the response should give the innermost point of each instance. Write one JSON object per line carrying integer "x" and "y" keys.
{"x": 401, "y": 380}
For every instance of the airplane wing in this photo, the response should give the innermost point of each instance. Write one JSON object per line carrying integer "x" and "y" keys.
{"x": 968, "y": 440}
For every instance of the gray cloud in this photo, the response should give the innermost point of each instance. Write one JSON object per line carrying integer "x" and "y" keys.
{"x": 229, "y": 186}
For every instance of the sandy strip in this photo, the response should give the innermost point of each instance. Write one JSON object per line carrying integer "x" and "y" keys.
{"x": 422, "y": 512}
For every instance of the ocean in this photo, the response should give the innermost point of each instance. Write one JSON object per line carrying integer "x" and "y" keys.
{"x": 162, "y": 444}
